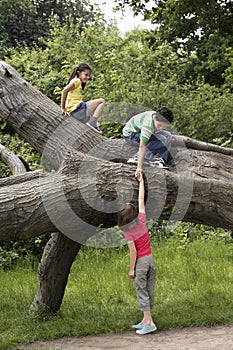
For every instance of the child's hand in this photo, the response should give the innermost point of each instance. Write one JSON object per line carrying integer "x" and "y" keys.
{"x": 140, "y": 177}
{"x": 64, "y": 111}
{"x": 131, "y": 273}
{"x": 138, "y": 172}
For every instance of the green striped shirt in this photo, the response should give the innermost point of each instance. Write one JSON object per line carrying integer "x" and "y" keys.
{"x": 142, "y": 123}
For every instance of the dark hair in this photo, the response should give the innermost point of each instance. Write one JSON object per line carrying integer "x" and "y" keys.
{"x": 164, "y": 114}
{"x": 81, "y": 67}
{"x": 127, "y": 218}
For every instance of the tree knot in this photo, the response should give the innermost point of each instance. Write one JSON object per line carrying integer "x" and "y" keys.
{"x": 7, "y": 73}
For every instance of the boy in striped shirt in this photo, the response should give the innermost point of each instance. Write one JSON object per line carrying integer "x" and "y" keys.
{"x": 149, "y": 131}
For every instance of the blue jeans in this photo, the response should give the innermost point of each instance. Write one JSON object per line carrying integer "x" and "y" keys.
{"x": 81, "y": 113}
{"x": 159, "y": 144}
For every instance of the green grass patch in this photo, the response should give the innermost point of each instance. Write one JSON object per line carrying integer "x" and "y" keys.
{"x": 194, "y": 287}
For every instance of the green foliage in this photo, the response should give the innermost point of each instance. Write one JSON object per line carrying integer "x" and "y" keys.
{"x": 186, "y": 233}
{"x": 203, "y": 28}
{"x": 7, "y": 257}
{"x": 201, "y": 107}
{"x": 129, "y": 70}
{"x": 27, "y": 21}
{"x": 18, "y": 22}
{"x": 228, "y": 74}
{"x": 12, "y": 252}
{"x": 22, "y": 149}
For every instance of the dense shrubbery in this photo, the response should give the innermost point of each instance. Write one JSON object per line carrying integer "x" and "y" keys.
{"x": 13, "y": 251}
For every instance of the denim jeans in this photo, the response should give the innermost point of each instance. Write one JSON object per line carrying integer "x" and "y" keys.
{"x": 81, "y": 113}
{"x": 159, "y": 144}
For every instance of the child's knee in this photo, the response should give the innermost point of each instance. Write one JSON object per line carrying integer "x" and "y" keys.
{"x": 102, "y": 100}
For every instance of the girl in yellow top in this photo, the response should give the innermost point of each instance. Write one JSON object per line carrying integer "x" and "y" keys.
{"x": 72, "y": 103}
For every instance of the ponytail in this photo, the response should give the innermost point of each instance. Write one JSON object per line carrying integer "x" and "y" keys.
{"x": 81, "y": 67}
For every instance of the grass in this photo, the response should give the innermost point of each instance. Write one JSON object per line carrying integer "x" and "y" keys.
{"x": 194, "y": 287}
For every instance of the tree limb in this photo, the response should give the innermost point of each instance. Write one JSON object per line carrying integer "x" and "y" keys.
{"x": 10, "y": 159}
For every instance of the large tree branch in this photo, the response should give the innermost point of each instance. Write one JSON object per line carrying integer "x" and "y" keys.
{"x": 198, "y": 181}
{"x": 36, "y": 203}
{"x": 179, "y": 140}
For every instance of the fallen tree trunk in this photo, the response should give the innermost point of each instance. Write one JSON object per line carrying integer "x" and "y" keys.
{"x": 91, "y": 183}
{"x": 53, "y": 272}
{"x": 35, "y": 203}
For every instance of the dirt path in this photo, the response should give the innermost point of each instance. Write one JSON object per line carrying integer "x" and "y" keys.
{"x": 193, "y": 338}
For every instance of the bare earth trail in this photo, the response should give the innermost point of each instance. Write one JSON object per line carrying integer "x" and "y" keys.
{"x": 192, "y": 338}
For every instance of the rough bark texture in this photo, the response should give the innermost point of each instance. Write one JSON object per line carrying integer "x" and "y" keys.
{"x": 91, "y": 182}
{"x": 28, "y": 202}
{"x": 10, "y": 159}
{"x": 53, "y": 272}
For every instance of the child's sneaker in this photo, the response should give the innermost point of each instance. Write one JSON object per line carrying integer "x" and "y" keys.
{"x": 96, "y": 128}
{"x": 138, "y": 326}
{"x": 158, "y": 162}
{"x": 147, "y": 330}
{"x": 133, "y": 160}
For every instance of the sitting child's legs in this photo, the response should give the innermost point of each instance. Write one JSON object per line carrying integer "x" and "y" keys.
{"x": 81, "y": 113}
{"x": 133, "y": 139}
{"x": 159, "y": 145}
{"x": 95, "y": 108}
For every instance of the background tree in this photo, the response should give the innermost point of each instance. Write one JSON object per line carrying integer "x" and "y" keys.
{"x": 200, "y": 29}
{"x": 27, "y": 21}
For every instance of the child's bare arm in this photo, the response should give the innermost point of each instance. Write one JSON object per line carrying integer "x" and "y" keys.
{"x": 133, "y": 255}
{"x": 65, "y": 91}
{"x": 141, "y": 194}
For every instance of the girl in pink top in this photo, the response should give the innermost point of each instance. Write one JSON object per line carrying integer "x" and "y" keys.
{"x": 142, "y": 266}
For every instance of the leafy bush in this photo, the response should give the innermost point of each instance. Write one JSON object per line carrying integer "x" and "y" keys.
{"x": 12, "y": 252}
{"x": 186, "y": 233}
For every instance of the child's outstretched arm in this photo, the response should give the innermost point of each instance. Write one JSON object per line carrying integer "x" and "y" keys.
{"x": 141, "y": 194}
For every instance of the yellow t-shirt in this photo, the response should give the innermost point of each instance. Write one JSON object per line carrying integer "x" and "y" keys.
{"x": 74, "y": 97}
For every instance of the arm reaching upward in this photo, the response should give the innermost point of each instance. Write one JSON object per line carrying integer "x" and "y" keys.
{"x": 141, "y": 156}
{"x": 141, "y": 195}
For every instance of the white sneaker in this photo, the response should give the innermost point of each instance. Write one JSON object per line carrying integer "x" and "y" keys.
{"x": 96, "y": 128}
{"x": 133, "y": 160}
{"x": 158, "y": 163}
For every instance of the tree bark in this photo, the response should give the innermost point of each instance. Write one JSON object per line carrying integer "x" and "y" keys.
{"x": 10, "y": 159}
{"x": 53, "y": 272}
{"x": 36, "y": 203}
{"x": 92, "y": 181}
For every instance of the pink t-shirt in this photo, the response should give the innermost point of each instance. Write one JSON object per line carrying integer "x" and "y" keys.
{"x": 139, "y": 234}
